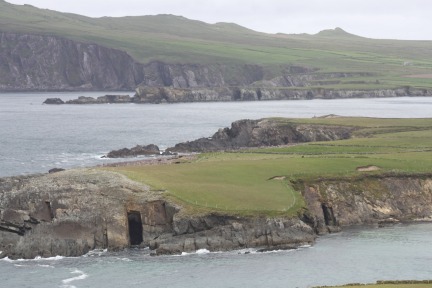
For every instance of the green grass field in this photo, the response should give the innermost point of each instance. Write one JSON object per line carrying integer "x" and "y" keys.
{"x": 175, "y": 39}
{"x": 242, "y": 181}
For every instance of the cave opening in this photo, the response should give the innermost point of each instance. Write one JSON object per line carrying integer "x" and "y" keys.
{"x": 328, "y": 213}
{"x": 135, "y": 228}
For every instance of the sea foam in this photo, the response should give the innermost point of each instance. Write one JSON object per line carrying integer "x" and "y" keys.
{"x": 82, "y": 276}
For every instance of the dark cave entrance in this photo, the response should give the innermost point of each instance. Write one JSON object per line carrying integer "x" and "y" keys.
{"x": 329, "y": 217}
{"x": 135, "y": 228}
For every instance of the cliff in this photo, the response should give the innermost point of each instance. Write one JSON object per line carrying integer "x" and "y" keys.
{"x": 34, "y": 62}
{"x": 367, "y": 200}
{"x": 71, "y": 212}
{"x": 51, "y": 63}
{"x": 253, "y": 92}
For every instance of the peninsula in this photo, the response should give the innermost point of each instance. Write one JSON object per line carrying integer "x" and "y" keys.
{"x": 342, "y": 171}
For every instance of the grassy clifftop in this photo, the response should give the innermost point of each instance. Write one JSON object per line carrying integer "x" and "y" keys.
{"x": 259, "y": 180}
{"x": 175, "y": 39}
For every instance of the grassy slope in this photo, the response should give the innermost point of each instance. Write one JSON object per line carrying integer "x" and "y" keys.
{"x": 239, "y": 181}
{"x": 179, "y": 40}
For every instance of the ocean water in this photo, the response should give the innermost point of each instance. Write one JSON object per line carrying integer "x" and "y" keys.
{"x": 362, "y": 254}
{"x": 35, "y": 138}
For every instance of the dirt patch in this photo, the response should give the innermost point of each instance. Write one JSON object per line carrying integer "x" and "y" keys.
{"x": 368, "y": 168}
{"x": 277, "y": 178}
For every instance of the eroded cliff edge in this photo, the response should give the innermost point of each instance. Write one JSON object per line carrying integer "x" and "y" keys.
{"x": 30, "y": 62}
{"x": 72, "y": 212}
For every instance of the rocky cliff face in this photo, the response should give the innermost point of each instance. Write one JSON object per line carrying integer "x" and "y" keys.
{"x": 366, "y": 200}
{"x": 33, "y": 62}
{"x": 71, "y": 212}
{"x": 145, "y": 94}
{"x": 265, "y": 132}
{"x": 36, "y": 62}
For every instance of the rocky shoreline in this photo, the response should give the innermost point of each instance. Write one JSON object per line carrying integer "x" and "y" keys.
{"x": 69, "y": 213}
{"x": 245, "y": 134}
{"x": 157, "y": 95}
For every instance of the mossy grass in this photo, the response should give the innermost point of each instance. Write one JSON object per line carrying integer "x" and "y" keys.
{"x": 260, "y": 181}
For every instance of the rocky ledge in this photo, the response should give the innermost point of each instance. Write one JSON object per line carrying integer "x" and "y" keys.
{"x": 156, "y": 95}
{"x": 72, "y": 212}
{"x": 107, "y": 99}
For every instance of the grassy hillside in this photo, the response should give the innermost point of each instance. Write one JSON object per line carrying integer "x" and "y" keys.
{"x": 176, "y": 39}
{"x": 258, "y": 180}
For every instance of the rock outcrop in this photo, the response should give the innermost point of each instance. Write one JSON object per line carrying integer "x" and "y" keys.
{"x": 71, "y": 212}
{"x": 107, "y": 99}
{"x": 367, "y": 200}
{"x": 145, "y": 94}
{"x": 264, "y": 132}
{"x": 50, "y": 63}
{"x": 55, "y": 101}
{"x": 138, "y": 150}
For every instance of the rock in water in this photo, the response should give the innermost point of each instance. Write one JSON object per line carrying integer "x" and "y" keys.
{"x": 56, "y": 101}
{"x": 55, "y": 170}
{"x": 135, "y": 151}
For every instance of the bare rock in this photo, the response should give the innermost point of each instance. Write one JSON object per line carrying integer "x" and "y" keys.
{"x": 54, "y": 101}
{"x": 138, "y": 150}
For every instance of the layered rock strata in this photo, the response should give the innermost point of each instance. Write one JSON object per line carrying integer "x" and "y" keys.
{"x": 72, "y": 212}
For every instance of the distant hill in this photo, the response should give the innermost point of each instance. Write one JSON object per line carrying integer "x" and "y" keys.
{"x": 178, "y": 40}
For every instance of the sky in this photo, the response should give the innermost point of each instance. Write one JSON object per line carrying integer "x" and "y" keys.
{"x": 385, "y": 19}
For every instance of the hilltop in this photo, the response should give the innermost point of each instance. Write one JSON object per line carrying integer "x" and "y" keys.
{"x": 174, "y": 40}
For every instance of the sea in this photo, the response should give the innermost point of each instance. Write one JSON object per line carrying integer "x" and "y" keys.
{"x": 35, "y": 138}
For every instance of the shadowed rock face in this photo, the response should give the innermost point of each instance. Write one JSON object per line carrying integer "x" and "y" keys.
{"x": 33, "y": 62}
{"x": 366, "y": 200}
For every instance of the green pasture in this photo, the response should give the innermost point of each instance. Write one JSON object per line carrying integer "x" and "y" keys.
{"x": 259, "y": 180}
{"x": 175, "y": 39}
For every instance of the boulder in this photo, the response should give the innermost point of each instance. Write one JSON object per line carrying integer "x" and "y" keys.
{"x": 83, "y": 100}
{"x": 55, "y": 101}
{"x": 55, "y": 170}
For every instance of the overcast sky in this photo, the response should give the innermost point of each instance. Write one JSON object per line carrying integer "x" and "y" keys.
{"x": 396, "y": 19}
